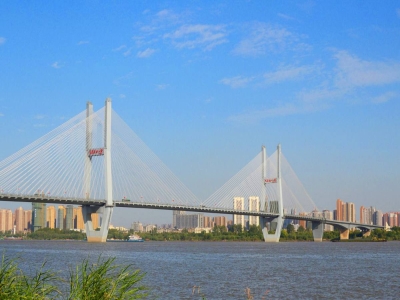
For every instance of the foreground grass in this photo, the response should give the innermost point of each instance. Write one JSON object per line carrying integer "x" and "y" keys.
{"x": 101, "y": 280}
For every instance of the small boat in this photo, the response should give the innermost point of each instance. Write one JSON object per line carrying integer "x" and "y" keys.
{"x": 135, "y": 238}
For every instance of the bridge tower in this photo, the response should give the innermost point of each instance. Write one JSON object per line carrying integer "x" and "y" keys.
{"x": 92, "y": 235}
{"x": 276, "y": 222}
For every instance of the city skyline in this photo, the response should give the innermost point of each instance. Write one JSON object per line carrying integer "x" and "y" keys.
{"x": 206, "y": 84}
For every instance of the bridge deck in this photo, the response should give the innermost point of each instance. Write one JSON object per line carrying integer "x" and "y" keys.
{"x": 203, "y": 209}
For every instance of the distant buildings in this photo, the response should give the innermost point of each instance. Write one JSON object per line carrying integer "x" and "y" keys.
{"x": 254, "y": 205}
{"x": 238, "y": 204}
{"x": 42, "y": 216}
{"x": 345, "y": 211}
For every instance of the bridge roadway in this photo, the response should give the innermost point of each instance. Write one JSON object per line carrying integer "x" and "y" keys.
{"x": 203, "y": 209}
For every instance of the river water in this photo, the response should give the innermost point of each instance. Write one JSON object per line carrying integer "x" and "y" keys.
{"x": 223, "y": 270}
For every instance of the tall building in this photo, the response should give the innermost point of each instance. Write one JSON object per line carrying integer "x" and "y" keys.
{"x": 254, "y": 205}
{"x": 6, "y": 220}
{"x": 190, "y": 221}
{"x": 137, "y": 227}
{"x": 19, "y": 219}
{"x": 28, "y": 220}
{"x": 328, "y": 215}
{"x": 238, "y": 204}
{"x": 366, "y": 215}
{"x": 51, "y": 217}
{"x": 339, "y": 210}
{"x": 345, "y": 211}
{"x": 78, "y": 218}
{"x": 39, "y": 219}
{"x": 69, "y": 217}
{"x": 61, "y": 217}
{"x": 350, "y": 212}
{"x": 220, "y": 221}
{"x": 377, "y": 218}
{"x": 175, "y": 214}
{"x": 208, "y": 223}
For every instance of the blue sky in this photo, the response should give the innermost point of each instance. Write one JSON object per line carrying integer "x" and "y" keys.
{"x": 206, "y": 83}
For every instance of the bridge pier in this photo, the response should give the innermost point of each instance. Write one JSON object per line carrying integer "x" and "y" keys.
{"x": 344, "y": 233}
{"x": 93, "y": 235}
{"x": 275, "y": 222}
{"x": 366, "y": 233}
{"x": 318, "y": 231}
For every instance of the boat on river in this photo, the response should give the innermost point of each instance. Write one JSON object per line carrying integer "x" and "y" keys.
{"x": 135, "y": 238}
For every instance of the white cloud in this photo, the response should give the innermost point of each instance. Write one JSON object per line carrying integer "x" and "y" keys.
{"x": 122, "y": 96}
{"x": 83, "y": 42}
{"x": 56, "y": 65}
{"x": 264, "y": 37}
{"x": 1, "y": 115}
{"x": 39, "y": 117}
{"x": 146, "y": 53}
{"x": 119, "y": 48}
{"x": 353, "y": 72}
{"x": 162, "y": 86}
{"x": 203, "y": 36}
{"x": 398, "y": 12}
{"x": 128, "y": 52}
{"x": 2, "y": 40}
{"x": 236, "y": 82}
{"x": 278, "y": 111}
{"x": 124, "y": 80}
{"x": 384, "y": 97}
{"x": 286, "y": 17}
{"x": 289, "y": 73}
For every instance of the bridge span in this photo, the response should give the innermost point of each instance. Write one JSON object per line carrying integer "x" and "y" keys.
{"x": 88, "y": 162}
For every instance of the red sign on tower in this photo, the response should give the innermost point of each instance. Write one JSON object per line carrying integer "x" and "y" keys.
{"x": 270, "y": 180}
{"x": 96, "y": 152}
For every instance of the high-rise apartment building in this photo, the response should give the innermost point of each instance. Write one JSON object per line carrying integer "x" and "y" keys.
{"x": 345, "y": 211}
{"x": 69, "y": 217}
{"x": 254, "y": 205}
{"x": 28, "y": 219}
{"x": 6, "y": 220}
{"x": 137, "y": 227}
{"x": 339, "y": 210}
{"x": 61, "y": 217}
{"x": 39, "y": 219}
{"x": 19, "y": 219}
{"x": 208, "y": 223}
{"x": 377, "y": 218}
{"x": 238, "y": 204}
{"x": 175, "y": 215}
{"x": 328, "y": 215}
{"x": 51, "y": 217}
{"x": 366, "y": 215}
{"x": 78, "y": 218}
{"x": 190, "y": 221}
{"x": 220, "y": 221}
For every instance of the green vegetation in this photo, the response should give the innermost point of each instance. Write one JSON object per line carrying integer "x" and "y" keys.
{"x": 392, "y": 235}
{"x": 102, "y": 280}
{"x": 55, "y": 234}
{"x": 219, "y": 233}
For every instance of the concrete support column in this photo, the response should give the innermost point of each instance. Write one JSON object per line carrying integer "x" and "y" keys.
{"x": 344, "y": 233}
{"x": 92, "y": 235}
{"x": 367, "y": 233}
{"x": 276, "y": 223}
{"x": 318, "y": 231}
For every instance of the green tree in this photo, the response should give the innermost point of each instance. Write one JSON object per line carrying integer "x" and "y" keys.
{"x": 290, "y": 228}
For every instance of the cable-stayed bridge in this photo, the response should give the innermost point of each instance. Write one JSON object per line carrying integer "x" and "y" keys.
{"x": 97, "y": 161}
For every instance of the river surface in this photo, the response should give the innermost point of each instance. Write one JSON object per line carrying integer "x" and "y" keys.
{"x": 223, "y": 270}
